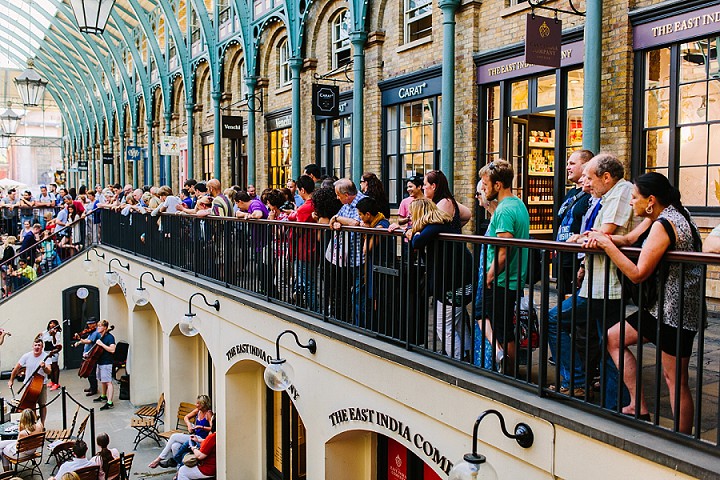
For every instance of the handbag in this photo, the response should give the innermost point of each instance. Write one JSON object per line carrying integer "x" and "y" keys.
{"x": 337, "y": 250}
{"x": 190, "y": 460}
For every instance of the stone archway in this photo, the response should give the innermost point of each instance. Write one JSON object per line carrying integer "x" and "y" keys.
{"x": 147, "y": 349}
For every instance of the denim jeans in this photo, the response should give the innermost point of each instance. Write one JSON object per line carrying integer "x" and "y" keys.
{"x": 306, "y": 284}
{"x": 559, "y": 335}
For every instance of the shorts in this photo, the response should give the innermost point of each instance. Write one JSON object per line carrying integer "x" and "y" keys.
{"x": 667, "y": 342}
{"x": 104, "y": 373}
{"x": 500, "y": 309}
{"x": 42, "y": 398}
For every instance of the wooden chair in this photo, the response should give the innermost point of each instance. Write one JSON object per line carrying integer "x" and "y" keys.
{"x": 180, "y": 426}
{"x": 88, "y": 473}
{"x": 29, "y": 453}
{"x": 126, "y": 461}
{"x": 151, "y": 410}
{"x": 114, "y": 469}
{"x": 81, "y": 430}
{"x": 148, "y": 427}
{"x": 61, "y": 452}
{"x": 7, "y": 475}
{"x": 65, "y": 433}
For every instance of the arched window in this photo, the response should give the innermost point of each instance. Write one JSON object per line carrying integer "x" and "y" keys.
{"x": 283, "y": 63}
{"x": 341, "y": 40}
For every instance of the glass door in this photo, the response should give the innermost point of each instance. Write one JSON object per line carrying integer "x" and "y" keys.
{"x": 286, "y": 455}
{"x": 517, "y": 152}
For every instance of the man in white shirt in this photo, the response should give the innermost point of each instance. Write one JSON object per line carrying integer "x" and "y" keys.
{"x": 80, "y": 461}
{"x": 32, "y": 361}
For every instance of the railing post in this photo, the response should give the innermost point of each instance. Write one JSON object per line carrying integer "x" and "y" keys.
{"x": 92, "y": 431}
{"x": 544, "y": 309}
{"x": 64, "y": 408}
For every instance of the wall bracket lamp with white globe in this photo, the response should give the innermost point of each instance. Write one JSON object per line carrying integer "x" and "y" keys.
{"x": 111, "y": 277}
{"x": 474, "y": 465}
{"x": 140, "y": 296}
{"x": 279, "y": 374}
{"x": 187, "y": 324}
{"x": 88, "y": 264}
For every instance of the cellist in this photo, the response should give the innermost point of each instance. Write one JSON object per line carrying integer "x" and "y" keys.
{"x": 89, "y": 341}
{"x": 31, "y": 361}
{"x": 105, "y": 340}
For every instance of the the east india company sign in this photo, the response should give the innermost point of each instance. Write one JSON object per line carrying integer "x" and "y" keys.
{"x": 668, "y": 30}
{"x": 395, "y": 427}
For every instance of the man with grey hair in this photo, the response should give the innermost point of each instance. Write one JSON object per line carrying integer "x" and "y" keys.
{"x": 599, "y": 303}
{"x": 349, "y": 196}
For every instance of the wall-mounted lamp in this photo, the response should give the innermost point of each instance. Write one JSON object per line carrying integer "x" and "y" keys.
{"x": 88, "y": 264}
{"x": 279, "y": 374}
{"x": 187, "y": 326}
{"x": 111, "y": 277}
{"x": 140, "y": 296}
{"x": 473, "y": 465}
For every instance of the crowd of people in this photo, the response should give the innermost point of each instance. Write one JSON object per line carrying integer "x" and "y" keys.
{"x": 40, "y": 232}
{"x": 602, "y": 211}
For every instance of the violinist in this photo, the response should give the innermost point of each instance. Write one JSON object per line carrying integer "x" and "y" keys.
{"x": 51, "y": 341}
{"x": 105, "y": 340}
{"x": 31, "y": 361}
{"x": 90, "y": 331}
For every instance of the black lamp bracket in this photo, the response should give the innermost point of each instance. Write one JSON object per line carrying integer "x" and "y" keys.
{"x": 215, "y": 305}
{"x": 311, "y": 345}
{"x": 126, "y": 266}
{"x": 523, "y": 433}
{"x": 94, "y": 250}
{"x": 161, "y": 281}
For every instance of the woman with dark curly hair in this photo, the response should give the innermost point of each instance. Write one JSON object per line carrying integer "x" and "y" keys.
{"x": 371, "y": 186}
{"x": 335, "y": 285}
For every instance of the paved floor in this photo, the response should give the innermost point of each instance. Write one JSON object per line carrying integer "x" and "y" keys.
{"x": 115, "y": 422}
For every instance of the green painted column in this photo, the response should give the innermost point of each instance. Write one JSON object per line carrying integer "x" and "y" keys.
{"x": 189, "y": 109}
{"x": 150, "y": 143}
{"x": 101, "y": 165}
{"x": 592, "y": 72}
{"x": 217, "y": 134}
{"x": 358, "y": 40}
{"x": 111, "y": 145}
{"x": 167, "y": 160}
{"x": 251, "y": 83}
{"x": 92, "y": 170}
{"x": 447, "y": 141}
{"x": 121, "y": 162}
{"x": 295, "y": 67}
{"x": 135, "y": 163}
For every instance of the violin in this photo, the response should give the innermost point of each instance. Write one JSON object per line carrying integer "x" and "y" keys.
{"x": 84, "y": 333}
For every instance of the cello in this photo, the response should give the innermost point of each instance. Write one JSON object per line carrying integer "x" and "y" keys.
{"x": 33, "y": 387}
{"x": 95, "y": 353}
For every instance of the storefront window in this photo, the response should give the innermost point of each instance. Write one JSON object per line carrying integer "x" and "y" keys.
{"x": 280, "y": 158}
{"x": 492, "y": 147}
{"x": 682, "y": 109}
{"x": 286, "y": 455}
{"x": 412, "y": 133}
{"x": 208, "y": 155}
{"x": 335, "y": 152}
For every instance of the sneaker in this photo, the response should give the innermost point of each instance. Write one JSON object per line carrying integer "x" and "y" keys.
{"x": 107, "y": 406}
{"x": 55, "y": 386}
{"x": 88, "y": 390}
{"x": 100, "y": 399}
{"x": 50, "y": 385}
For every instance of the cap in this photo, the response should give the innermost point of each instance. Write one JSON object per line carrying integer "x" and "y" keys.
{"x": 43, "y": 186}
{"x": 91, "y": 321}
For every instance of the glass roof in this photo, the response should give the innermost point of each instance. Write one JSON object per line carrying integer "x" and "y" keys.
{"x": 14, "y": 39}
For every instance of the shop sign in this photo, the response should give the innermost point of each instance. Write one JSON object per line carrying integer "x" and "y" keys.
{"x": 132, "y": 153}
{"x": 396, "y": 460}
{"x": 183, "y": 142}
{"x": 394, "y": 426}
{"x": 257, "y": 352}
{"x": 570, "y": 54}
{"x": 279, "y": 123}
{"x": 325, "y": 100}
{"x": 169, "y": 145}
{"x": 543, "y": 40}
{"x": 232, "y": 126}
{"x": 674, "y": 29}
{"x": 413, "y": 91}
{"x": 82, "y": 165}
{"x": 108, "y": 158}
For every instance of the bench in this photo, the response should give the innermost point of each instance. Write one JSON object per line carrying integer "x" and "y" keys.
{"x": 180, "y": 426}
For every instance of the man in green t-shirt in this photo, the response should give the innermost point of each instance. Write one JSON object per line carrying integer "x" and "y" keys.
{"x": 506, "y": 267}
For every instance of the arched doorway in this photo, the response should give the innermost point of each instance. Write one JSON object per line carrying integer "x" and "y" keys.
{"x": 76, "y": 311}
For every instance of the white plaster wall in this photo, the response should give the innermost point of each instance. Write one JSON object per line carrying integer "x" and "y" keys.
{"x": 337, "y": 377}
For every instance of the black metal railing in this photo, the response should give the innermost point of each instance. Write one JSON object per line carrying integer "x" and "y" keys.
{"x": 427, "y": 300}
{"x": 48, "y": 253}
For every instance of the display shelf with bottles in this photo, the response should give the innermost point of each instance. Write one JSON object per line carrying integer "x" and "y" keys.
{"x": 541, "y": 218}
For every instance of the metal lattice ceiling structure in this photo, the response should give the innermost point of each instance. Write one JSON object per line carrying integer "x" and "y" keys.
{"x": 95, "y": 78}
